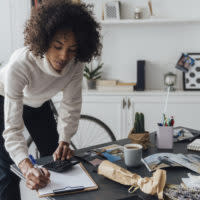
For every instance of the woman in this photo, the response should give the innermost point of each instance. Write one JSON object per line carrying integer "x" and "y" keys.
{"x": 59, "y": 37}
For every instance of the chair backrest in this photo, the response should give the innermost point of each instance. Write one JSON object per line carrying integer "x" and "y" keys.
{"x": 91, "y": 131}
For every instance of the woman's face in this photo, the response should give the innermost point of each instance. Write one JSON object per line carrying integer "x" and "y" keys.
{"x": 62, "y": 49}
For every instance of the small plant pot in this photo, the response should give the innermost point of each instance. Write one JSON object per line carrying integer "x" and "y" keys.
{"x": 91, "y": 84}
{"x": 140, "y": 138}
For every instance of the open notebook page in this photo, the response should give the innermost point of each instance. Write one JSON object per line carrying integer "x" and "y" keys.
{"x": 74, "y": 177}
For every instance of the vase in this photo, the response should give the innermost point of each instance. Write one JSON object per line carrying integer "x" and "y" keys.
{"x": 91, "y": 84}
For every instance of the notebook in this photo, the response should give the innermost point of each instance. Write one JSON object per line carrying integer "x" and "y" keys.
{"x": 76, "y": 179}
{"x": 195, "y": 145}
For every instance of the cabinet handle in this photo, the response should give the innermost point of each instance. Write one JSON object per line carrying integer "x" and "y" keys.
{"x": 124, "y": 103}
{"x": 129, "y": 103}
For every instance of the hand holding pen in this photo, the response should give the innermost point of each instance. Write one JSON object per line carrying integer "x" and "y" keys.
{"x": 36, "y": 177}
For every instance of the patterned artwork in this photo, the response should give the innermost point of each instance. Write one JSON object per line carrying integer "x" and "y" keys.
{"x": 191, "y": 79}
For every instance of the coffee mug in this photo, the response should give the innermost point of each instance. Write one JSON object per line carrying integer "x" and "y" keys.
{"x": 132, "y": 155}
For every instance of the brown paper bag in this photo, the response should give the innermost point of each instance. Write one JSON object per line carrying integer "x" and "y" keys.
{"x": 149, "y": 185}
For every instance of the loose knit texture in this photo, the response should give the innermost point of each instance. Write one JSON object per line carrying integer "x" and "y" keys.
{"x": 30, "y": 80}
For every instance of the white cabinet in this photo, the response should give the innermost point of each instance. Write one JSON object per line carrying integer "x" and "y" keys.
{"x": 109, "y": 109}
{"x": 151, "y": 106}
{"x": 118, "y": 110}
{"x": 184, "y": 106}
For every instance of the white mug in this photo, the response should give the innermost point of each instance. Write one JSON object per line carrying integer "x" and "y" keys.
{"x": 132, "y": 155}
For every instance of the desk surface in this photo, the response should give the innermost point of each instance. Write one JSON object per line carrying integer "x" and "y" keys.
{"x": 112, "y": 190}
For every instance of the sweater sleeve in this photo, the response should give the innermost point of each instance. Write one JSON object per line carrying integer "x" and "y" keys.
{"x": 70, "y": 106}
{"x": 15, "y": 144}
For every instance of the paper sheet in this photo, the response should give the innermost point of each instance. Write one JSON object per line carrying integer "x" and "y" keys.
{"x": 192, "y": 182}
{"x": 74, "y": 177}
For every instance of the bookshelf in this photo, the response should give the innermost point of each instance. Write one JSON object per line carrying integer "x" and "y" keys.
{"x": 150, "y": 21}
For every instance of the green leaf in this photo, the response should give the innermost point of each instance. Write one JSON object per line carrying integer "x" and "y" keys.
{"x": 98, "y": 77}
{"x": 98, "y": 73}
{"x": 86, "y": 75}
{"x": 87, "y": 69}
{"x": 96, "y": 70}
{"x": 93, "y": 74}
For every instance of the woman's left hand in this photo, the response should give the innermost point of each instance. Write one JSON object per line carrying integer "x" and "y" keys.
{"x": 62, "y": 152}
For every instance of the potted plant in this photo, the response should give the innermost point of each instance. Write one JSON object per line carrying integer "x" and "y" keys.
{"x": 138, "y": 134}
{"x": 92, "y": 73}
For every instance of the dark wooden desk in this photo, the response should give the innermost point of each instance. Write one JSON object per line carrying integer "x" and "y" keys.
{"x": 109, "y": 190}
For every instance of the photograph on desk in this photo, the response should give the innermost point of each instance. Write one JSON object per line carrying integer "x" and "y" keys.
{"x": 181, "y": 134}
{"x": 164, "y": 160}
{"x": 112, "y": 152}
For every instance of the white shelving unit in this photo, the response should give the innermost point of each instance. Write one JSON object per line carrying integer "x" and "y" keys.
{"x": 153, "y": 20}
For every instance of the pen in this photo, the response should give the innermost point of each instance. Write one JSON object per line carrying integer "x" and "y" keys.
{"x": 35, "y": 164}
{"x": 68, "y": 189}
{"x": 172, "y": 121}
{"x": 168, "y": 122}
{"x": 163, "y": 119}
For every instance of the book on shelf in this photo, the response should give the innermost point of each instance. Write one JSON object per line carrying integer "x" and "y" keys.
{"x": 102, "y": 82}
{"x": 195, "y": 145}
{"x": 163, "y": 160}
{"x": 126, "y": 83}
{"x": 106, "y": 82}
{"x": 117, "y": 88}
{"x": 114, "y": 85}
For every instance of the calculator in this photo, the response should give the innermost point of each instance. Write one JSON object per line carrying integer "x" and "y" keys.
{"x": 60, "y": 165}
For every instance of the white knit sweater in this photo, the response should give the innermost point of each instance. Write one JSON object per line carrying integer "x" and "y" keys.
{"x": 30, "y": 80}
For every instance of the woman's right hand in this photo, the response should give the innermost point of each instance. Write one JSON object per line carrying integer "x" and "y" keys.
{"x": 34, "y": 178}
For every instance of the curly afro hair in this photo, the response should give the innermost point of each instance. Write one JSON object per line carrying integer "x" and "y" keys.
{"x": 53, "y": 15}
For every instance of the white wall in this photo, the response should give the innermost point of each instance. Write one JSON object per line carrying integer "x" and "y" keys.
{"x": 159, "y": 44}
{"x": 5, "y": 31}
{"x": 13, "y": 14}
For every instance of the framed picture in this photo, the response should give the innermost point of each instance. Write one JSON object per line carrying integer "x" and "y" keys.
{"x": 112, "y": 10}
{"x": 191, "y": 78}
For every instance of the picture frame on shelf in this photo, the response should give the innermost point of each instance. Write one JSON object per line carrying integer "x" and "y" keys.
{"x": 112, "y": 10}
{"x": 191, "y": 78}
